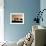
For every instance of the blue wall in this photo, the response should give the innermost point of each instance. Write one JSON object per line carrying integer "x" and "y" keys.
{"x": 28, "y": 7}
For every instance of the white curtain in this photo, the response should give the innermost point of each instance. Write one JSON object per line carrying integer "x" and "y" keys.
{"x": 1, "y": 20}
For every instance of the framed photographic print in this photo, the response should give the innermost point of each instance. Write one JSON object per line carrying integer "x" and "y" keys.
{"x": 16, "y": 18}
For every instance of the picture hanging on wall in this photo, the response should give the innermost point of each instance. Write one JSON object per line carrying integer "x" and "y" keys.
{"x": 16, "y": 18}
